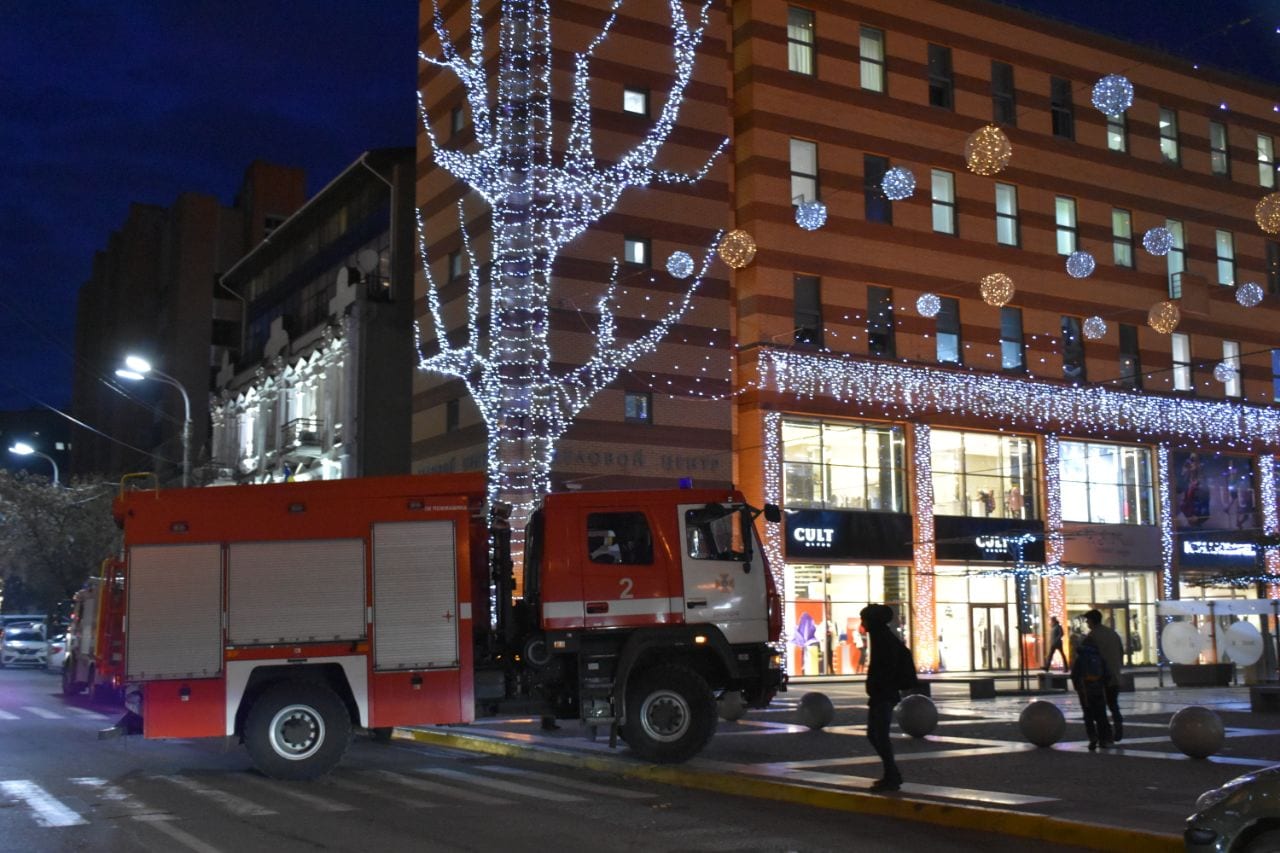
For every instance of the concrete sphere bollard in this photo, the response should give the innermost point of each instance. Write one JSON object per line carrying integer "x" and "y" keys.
{"x": 917, "y": 715}
{"x": 1197, "y": 731}
{"x": 1042, "y": 723}
{"x": 731, "y": 706}
{"x": 816, "y": 710}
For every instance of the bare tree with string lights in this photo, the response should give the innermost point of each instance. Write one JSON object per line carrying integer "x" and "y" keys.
{"x": 541, "y": 200}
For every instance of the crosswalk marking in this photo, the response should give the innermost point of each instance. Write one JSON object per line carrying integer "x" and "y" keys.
{"x": 47, "y": 810}
{"x": 186, "y": 839}
{"x": 319, "y": 803}
{"x": 5, "y": 715}
{"x": 42, "y": 712}
{"x": 446, "y": 791}
{"x": 134, "y": 807}
{"x": 236, "y": 805}
{"x": 370, "y": 791}
{"x": 85, "y": 712}
{"x": 572, "y": 784}
{"x": 502, "y": 785}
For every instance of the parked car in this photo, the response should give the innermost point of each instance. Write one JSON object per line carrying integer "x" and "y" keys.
{"x": 57, "y": 653}
{"x": 1241, "y": 816}
{"x": 23, "y": 645}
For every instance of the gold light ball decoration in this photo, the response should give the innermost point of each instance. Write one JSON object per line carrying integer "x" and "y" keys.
{"x": 1268, "y": 213}
{"x": 997, "y": 289}
{"x": 988, "y": 151}
{"x": 1163, "y": 317}
{"x": 737, "y": 248}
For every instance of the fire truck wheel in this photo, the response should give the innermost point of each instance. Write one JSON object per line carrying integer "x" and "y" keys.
{"x": 71, "y": 687}
{"x": 671, "y": 714}
{"x": 297, "y": 730}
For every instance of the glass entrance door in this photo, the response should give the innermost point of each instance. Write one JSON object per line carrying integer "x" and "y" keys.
{"x": 990, "y": 633}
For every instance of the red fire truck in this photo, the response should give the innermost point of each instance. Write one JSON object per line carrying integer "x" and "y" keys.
{"x": 95, "y": 637}
{"x": 287, "y": 614}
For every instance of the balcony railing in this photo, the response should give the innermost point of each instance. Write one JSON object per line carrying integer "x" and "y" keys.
{"x": 302, "y": 435}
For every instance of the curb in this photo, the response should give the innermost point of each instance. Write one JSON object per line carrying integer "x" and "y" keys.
{"x": 981, "y": 818}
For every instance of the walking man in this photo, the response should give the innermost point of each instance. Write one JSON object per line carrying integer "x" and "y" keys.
{"x": 891, "y": 671}
{"x": 1112, "y": 649}
{"x": 1055, "y": 644}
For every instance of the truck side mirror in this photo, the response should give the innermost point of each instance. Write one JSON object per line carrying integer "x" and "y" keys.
{"x": 772, "y": 513}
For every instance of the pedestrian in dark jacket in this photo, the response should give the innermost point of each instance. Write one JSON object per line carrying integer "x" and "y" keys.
{"x": 890, "y": 671}
{"x": 1089, "y": 678}
{"x": 1055, "y": 643}
{"x": 1112, "y": 649}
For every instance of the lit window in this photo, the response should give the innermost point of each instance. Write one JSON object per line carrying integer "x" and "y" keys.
{"x": 1064, "y": 212}
{"x": 1121, "y": 237}
{"x": 638, "y": 407}
{"x": 1176, "y": 260}
{"x": 1007, "y": 215}
{"x": 635, "y": 101}
{"x": 1106, "y": 483}
{"x": 1013, "y": 354}
{"x": 944, "y": 202}
{"x": 457, "y": 265}
{"x": 1266, "y": 162}
{"x": 1231, "y": 358}
{"x": 948, "y": 331}
{"x": 1275, "y": 375}
{"x": 457, "y": 120}
{"x": 1225, "y": 242}
{"x": 800, "y": 41}
{"x": 635, "y": 250}
{"x": 804, "y": 171}
{"x": 1169, "y": 135}
{"x": 843, "y": 465}
{"x": 871, "y": 55}
{"x": 1118, "y": 133}
{"x": 984, "y": 475}
{"x": 1219, "y": 152}
{"x": 1181, "y": 345}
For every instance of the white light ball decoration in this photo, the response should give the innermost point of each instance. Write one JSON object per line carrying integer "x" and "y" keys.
{"x": 1197, "y": 731}
{"x": 996, "y": 289}
{"x": 1268, "y": 213}
{"x": 987, "y": 151}
{"x": 1249, "y": 294}
{"x": 1158, "y": 241}
{"x": 1113, "y": 94}
{"x": 680, "y": 265}
{"x": 737, "y": 248}
{"x": 1164, "y": 316}
{"x": 898, "y": 183}
{"x": 731, "y": 706}
{"x": 1080, "y": 264}
{"x": 917, "y": 715}
{"x": 1095, "y": 327}
{"x": 1224, "y": 372}
{"x": 928, "y": 305}
{"x": 811, "y": 215}
{"x": 1042, "y": 723}
{"x": 816, "y": 710}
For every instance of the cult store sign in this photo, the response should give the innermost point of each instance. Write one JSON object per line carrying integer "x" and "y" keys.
{"x": 987, "y": 540}
{"x": 817, "y": 534}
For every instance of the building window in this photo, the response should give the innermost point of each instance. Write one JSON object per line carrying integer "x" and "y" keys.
{"x": 1064, "y": 213}
{"x": 451, "y": 415}
{"x": 1004, "y": 107}
{"x": 877, "y": 206}
{"x": 457, "y": 120}
{"x": 944, "y": 202}
{"x": 1064, "y": 121}
{"x": 804, "y": 171}
{"x": 635, "y": 250}
{"x": 1169, "y": 135}
{"x": 808, "y": 309}
{"x": 1118, "y": 133}
{"x": 1121, "y": 237}
{"x": 1273, "y": 267}
{"x": 800, "y": 40}
{"x": 1130, "y": 358}
{"x": 1013, "y": 353}
{"x": 635, "y": 101}
{"x": 1275, "y": 375}
{"x": 619, "y": 537}
{"x": 1007, "y": 232}
{"x": 843, "y": 465}
{"x": 1176, "y": 260}
{"x": 1231, "y": 357}
{"x": 984, "y": 475}
{"x": 941, "y": 81}
{"x": 1106, "y": 483}
{"x": 637, "y": 407}
{"x": 871, "y": 55}
{"x": 948, "y": 331}
{"x": 1225, "y": 242}
{"x": 1219, "y": 151}
{"x": 880, "y": 337}
{"x": 1073, "y": 367}
{"x": 1181, "y": 345}
{"x": 1266, "y": 162}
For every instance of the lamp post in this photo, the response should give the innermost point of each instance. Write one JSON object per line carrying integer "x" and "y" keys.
{"x": 135, "y": 369}
{"x": 21, "y": 448}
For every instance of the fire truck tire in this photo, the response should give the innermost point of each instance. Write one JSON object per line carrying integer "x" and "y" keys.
{"x": 297, "y": 730}
{"x": 71, "y": 687}
{"x": 671, "y": 714}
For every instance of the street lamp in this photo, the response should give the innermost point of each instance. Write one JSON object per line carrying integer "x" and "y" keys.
{"x": 136, "y": 368}
{"x": 21, "y": 448}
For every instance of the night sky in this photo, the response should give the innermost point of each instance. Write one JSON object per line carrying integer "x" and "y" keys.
{"x": 103, "y": 104}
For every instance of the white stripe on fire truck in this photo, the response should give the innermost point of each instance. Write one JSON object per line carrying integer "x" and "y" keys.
{"x": 318, "y": 803}
{"x": 47, "y": 810}
{"x": 236, "y": 805}
{"x": 42, "y": 712}
{"x": 464, "y": 610}
{"x": 437, "y": 788}
{"x": 502, "y": 785}
{"x": 617, "y": 607}
{"x": 571, "y": 784}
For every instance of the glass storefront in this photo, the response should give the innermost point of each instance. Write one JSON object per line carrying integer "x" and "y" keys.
{"x": 1127, "y": 601}
{"x": 977, "y": 619}
{"x": 843, "y": 465}
{"x": 1106, "y": 483}
{"x": 984, "y": 475}
{"x": 822, "y": 605}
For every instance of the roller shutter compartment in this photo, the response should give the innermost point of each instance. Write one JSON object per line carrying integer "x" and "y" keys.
{"x": 306, "y": 590}
{"x": 174, "y": 611}
{"x": 415, "y": 595}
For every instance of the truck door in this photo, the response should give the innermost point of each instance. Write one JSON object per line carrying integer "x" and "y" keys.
{"x": 724, "y": 571}
{"x": 625, "y": 577}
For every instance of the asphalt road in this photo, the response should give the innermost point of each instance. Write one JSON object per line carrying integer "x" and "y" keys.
{"x": 62, "y": 789}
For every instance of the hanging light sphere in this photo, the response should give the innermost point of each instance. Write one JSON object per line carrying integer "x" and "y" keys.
{"x": 680, "y": 265}
{"x": 1268, "y": 213}
{"x": 987, "y": 151}
{"x": 1158, "y": 241}
{"x": 1113, "y": 94}
{"x": 1163, "y": 317}
{"x": 996, "y": 289}
{"x": 1224, "y": 372}
{"x": 737, "y": 249}
{"x": 928, "y": 305}
{"x": 811, "y": 215}
{"x": 1080, "y": 264}
{"x": 1095, "y": 327}
{"x": 1249, "y": 294}
{"x": 898, "y": 183}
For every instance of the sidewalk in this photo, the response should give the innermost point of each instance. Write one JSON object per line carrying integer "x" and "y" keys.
{"x": 975, "y": 770}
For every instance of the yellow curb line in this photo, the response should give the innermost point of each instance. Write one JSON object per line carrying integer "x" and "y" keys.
{"x": 980, "y": 818}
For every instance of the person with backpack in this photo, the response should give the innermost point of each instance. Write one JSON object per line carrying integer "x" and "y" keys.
{"x": 891, "y": 671}
{"x": 1112, "y": 649}
{"x": 1089, "y": 678}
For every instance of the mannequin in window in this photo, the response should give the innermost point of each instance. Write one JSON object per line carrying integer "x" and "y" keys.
{"x": 1013, "y": 501}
